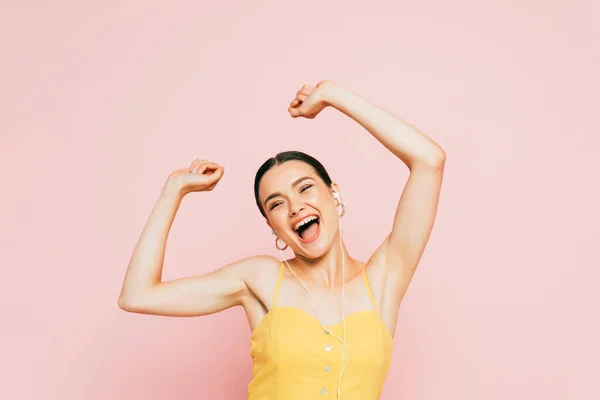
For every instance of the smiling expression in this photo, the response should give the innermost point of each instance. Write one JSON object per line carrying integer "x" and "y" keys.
{"x": 292, "y": 194}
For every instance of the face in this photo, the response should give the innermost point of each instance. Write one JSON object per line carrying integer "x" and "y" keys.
{"x": 300, "y": 207}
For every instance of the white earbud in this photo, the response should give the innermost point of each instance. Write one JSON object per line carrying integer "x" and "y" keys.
{"x": 336, "y": 195}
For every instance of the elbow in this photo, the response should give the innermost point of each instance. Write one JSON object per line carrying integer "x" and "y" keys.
{"x": 126, "y": 304}
{"x": 123, "y": 303}
{"x": 434, "y": 161}
{"x": 439, "y": 159}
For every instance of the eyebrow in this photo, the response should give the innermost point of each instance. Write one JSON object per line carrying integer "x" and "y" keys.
{"x": 296, "y": 183}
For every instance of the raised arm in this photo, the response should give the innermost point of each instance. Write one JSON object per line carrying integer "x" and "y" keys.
{"x": 397, "y": 258}
{"x": 413, "y": 221}
{"x": 393, "y": 264}
{"x": 143, "y": 290}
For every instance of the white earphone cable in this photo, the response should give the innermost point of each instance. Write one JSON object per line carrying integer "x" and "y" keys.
{"x": 343, "y": 341}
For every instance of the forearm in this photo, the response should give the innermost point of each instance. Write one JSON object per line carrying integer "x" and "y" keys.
{"x": 407, "y": 143}
{"x": 145, "y": 266}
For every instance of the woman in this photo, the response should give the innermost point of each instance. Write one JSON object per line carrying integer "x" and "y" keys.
{"x": 322, "y": 322}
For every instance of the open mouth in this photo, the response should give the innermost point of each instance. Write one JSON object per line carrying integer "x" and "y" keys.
{"x": 308, "y": 230}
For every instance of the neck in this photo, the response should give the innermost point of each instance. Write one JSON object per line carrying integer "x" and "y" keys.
{"x": 326, "y": 271}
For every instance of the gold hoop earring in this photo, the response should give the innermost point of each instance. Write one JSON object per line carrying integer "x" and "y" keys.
{"x": 277, "y": 245}
{"x": 343, "y": 210}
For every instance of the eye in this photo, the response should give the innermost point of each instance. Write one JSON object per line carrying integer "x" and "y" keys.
{"x": 305, "y": 187}
{"x": 274, "y": 205}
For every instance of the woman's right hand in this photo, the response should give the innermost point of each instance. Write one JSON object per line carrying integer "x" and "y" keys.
{"x": 200, "y": 176}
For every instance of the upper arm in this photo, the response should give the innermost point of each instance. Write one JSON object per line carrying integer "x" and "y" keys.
{"x": 393, "y": 264}
{"x": 413, "y": 222}
{"x": 198, "y": 295}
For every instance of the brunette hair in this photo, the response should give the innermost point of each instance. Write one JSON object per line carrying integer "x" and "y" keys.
{"x": 282, "y": 158}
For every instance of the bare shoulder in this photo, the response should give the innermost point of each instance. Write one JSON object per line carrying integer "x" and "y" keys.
{"x": 260, "y": 275}
{"x": 258, "y": 265}
{"x": 247, "y": 269}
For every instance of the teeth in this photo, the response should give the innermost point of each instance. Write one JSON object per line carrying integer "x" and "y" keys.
{"x": 304, "y": 221}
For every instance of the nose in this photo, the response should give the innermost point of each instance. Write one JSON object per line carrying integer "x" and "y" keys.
{"x": 295, "y": 208}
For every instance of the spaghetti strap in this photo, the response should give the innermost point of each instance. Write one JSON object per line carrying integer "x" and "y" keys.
{"x": 364, "y": 274}
{"x": 276, "y": 295}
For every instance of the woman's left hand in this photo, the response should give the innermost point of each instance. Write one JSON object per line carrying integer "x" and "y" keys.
{"x": 310, "y": 101}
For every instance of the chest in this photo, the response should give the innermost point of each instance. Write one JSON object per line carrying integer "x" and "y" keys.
{"x": 292, "y": 340}
{"x": 328, "y": 306}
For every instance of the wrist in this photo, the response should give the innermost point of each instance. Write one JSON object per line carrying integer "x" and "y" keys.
{"x": 174, "y": 187}
{"x": 333, "y": 93}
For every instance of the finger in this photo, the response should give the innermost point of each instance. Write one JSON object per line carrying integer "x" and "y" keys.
{"x": 198, "y": 160}
{"x": 302, "y": 97}
{"x": 211, "y": 165}
{"x": 200, "y": 166}
{"x": 294, "y": 112}
{"x": 305, "y": 91}
{"x": 217, "y": 177}
{"x": 195, "y": 163}
{"x": 294, "y": 103}
{"x": 208, "y": 166}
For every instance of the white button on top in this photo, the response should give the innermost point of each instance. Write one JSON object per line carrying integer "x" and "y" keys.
{"x": 326, "y": 332}
{"x": 328, "y": 347}
{"x": 323, "y": 391}
{"x": 327, "y": 368}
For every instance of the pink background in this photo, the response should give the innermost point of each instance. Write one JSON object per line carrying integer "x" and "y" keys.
{"x": 101, "y": 101}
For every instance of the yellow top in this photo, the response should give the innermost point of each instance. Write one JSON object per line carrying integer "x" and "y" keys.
{"x": 295, "y": 359}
